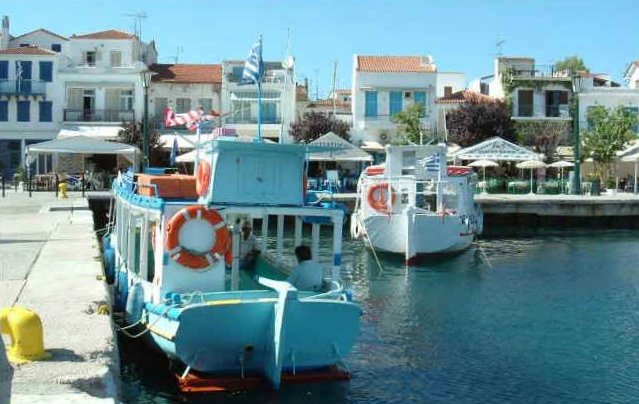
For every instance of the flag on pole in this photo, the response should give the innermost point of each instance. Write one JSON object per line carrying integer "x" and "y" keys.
{"x": 431, "y": 163}
{"x": 254, "y": 66}
{"x": 174, "y": 150}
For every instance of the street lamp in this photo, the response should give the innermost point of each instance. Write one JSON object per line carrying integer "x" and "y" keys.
{"x": 146, "y": 83}
{"x": 577, "y": 83}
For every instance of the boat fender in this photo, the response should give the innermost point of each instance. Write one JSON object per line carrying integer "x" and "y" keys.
{"x": 106, "y": 242}
{"x": 134, "y": 303}
{"x": 203, "y": 177}
{"x": 121, "y": 291}
{"x": 377, "y": 197}
{"x": 109, "y": 265}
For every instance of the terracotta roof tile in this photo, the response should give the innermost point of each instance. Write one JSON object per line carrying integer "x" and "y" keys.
{"x": 329, "y": 103}
{"x": 394, "y": 64}
{"x": 109, "y": 34}
{"x": 27, "y": 50}
{"x": 463, "y": 96}
{"x": 187, "y": 73}
{"x": 46, "y": 31}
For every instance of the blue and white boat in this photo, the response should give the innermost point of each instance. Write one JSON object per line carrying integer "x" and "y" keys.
{"x": 166, "y": 255}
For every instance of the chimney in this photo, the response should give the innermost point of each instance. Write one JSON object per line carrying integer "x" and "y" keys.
{"x": 4, "y": 33}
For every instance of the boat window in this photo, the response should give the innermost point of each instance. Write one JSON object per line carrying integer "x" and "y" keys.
{"x": 408, "y": 162}
{"x": 450, "y": 196}
{"x": 135, "y": 258}
{"x": 150, "y": 253}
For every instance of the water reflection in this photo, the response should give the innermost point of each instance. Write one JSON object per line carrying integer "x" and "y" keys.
{"x": 549, "y": 318}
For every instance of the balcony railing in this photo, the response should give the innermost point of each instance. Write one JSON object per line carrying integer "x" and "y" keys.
{"x": 23, "y": 87}
{"x": 98, "y": 115}
{"x": 536, "y": 71}
{"x": 268, "y": 78}
{"x": 253, "y": 120}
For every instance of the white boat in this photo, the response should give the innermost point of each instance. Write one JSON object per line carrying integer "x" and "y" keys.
{"x": 414, "y": 204}
{"x": 166, "y": 256}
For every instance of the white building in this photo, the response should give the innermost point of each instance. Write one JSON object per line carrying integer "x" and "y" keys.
{"x": 632, "y": 75}
{"x": 599, "y": 91}
{"x": 185, "y": 87}
{"x": 30, "y": 94}
{"x": 239, "y": 102}
{"x": 382, "y": 86}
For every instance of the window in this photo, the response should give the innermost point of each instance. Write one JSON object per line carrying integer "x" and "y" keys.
{"x": 554, "y": 100}
{"x": 237, "y": 73}
{"x": 4, "y": 111}
{"x": 269, "y": 112}
{"x": 206, "y": 104}
{"x": 24, "y": 45}
{"x": 116, "y": 58}
{"x": 88, "y": 58}
{"x": 160, "y": 104}
{"x": 419, "y": 97}
{"x": 46, "y": 71}
{"x": 4, "y": 69}
{"x": 635, "y": 112}
{"x": 126, "y": 100}
{"x": 182, "y": 105}
{"x": 56, "y": 47}
{"x": 45, "y": 111}
{"x": 23, "y": 111}
{"x": 525, "y": 103}
{"x": 395, "y": 102}
{"x": 371, "y": 103}
{"x": 448, "y": 91}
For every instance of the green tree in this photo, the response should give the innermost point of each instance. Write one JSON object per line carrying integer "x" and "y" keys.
{"x": 133, "y": 134}
{"x": 410, "y": 125}
{"x": 609, "y": 131}
{"x": 572, "y": 63}
{"x": 313, "y": 125}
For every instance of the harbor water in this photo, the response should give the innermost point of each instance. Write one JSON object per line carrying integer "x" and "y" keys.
{"x": 528, "y": 318}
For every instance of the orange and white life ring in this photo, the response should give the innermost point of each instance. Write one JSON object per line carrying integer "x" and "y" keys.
{"x": 203, "y": 177}
{"x": 378, "y": 197}
{"x": 196, "y": 259}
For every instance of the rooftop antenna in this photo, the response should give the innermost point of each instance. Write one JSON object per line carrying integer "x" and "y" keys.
{"x": 137, "y": 22}
{"x": 500, "y": 46}
{"x": 176, "y": 57}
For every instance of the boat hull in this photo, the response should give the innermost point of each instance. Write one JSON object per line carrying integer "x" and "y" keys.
{"x": 237, "y": 333}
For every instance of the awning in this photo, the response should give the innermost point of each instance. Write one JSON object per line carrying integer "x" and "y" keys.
{"x": 497, "y": 149}
{"x": 85, "y": 145}
{"x": 340, "y": 150}
{"x": 372, "y": 146}
{"x": 187, "y": 142}
{"x": 93, "y": 131}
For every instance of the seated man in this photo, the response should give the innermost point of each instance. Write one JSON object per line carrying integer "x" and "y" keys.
{"x": 248, "y": 247}
{"x": 308, "y": 274}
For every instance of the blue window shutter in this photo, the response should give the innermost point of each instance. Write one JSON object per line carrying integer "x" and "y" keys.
{"x": 23, "y": 111}
{"x": 395, "y": 102}
{"x": 45, "y": 111}
{"x": 420, "y": 98}
{"x": 4, "y": 69}
{"x": 371, "y": 103}
{"x": 56, "y": 47}
{"x": 46, "y": 71}
{"x": 4, "y": 111}
{"x": 269, "y": 112}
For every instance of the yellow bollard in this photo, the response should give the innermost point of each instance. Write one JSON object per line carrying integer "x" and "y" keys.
{"x": 24, "y": 328}
{"x": 62, "y": 188}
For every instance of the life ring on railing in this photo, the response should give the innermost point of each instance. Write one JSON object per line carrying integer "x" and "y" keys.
{"x": 378, "y": 197}
{"x": 203, "y": 177}
{"x": 191, "y": 259}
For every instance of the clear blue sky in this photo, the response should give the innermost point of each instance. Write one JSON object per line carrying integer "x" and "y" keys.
{"x": 459, "y": 34}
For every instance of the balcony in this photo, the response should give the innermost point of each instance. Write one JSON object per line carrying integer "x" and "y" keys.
{"x": 537, "y": 71}
{"x": 268, "y": 78}
{"x": 252, "y": 120}
{"x": 23, "y": 87}
{"x": 98, "y": 115}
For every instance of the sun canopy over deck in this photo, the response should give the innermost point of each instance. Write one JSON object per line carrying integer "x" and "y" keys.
{"x": 496, "y": 149}
{"x": 85, "y": 145}
{"x": 341, "y": 150}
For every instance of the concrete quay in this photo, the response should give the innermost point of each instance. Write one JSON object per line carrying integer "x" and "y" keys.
{"x": 50, "y": 263}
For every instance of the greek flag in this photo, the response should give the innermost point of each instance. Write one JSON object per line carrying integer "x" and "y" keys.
{"x": 430, "y": 163}
{"x": 253, "y": 67}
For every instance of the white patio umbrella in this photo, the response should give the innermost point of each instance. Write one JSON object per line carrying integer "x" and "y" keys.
{"x": 483, "y": 164}
{"x": 532, "y": 164}
{"x": 635, "y": 158}
{"x": 561, "y": 165}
